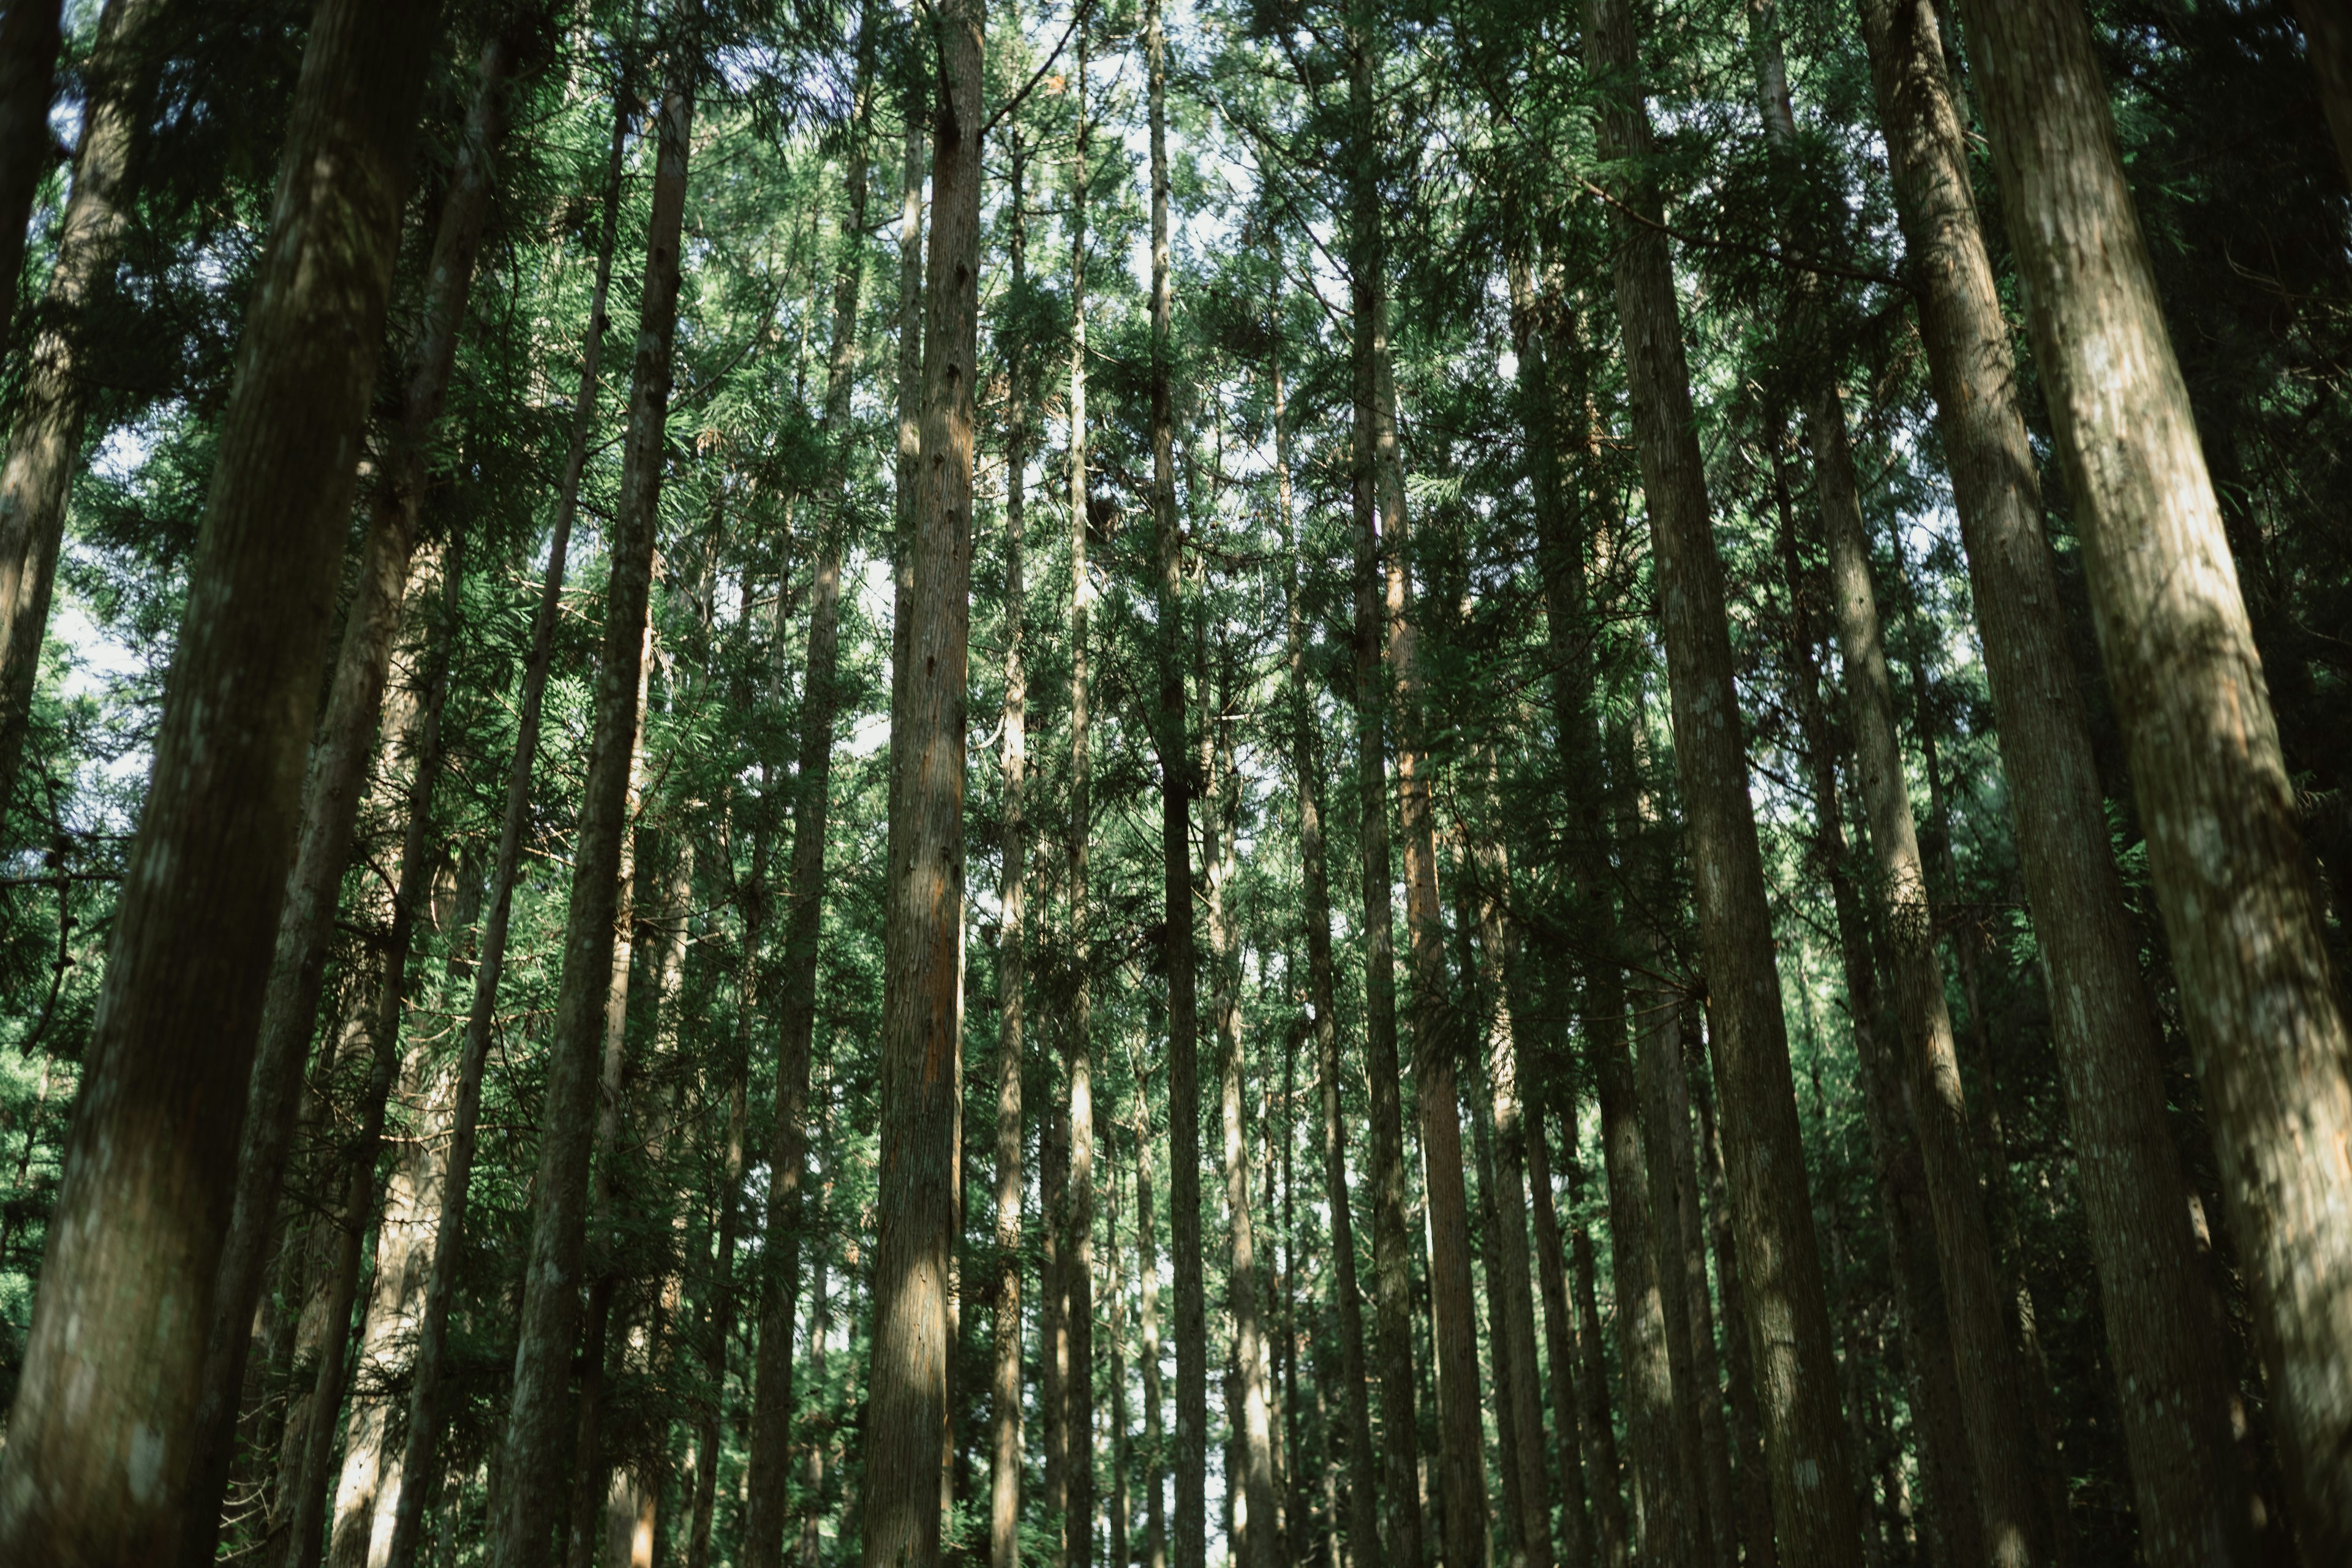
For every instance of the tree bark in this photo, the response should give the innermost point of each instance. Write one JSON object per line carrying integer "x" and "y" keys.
{"x": 2187, "y": 1486}
{"x": 1147, "y": 1308}
{"x": 550, "y": 1316}
{"x": 1177, "y": 786}
{"x": 2241, "y": 916}
{"x": 908, "y": 1415}
{"x": 1746, "y": 1435}
{"x": 29, "y": 68}
{"x": 45, "y": 443}
{"x": 331, "y": 792}
{"x": 97, "y": 1467}
{"x": 1814, "y": 1511}
{"x": 2328, "y": 44}
{"x": 417, "y": 1464}
{"x": 1583, "y": 1540}
{"x": 1599, "y": 1434}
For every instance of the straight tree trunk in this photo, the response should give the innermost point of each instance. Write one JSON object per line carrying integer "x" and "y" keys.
{"x": 1011, "y": 945}
{"x": 1147, "y": 1308}
{"x": 1755, "y": 1491}
{"x": 2328, "y": 44}
{"x": 1600, "y": 1435}
{"x": 772, "y": 1404}
{"x": 1814, "y": 1513}
{"x": 1391, "y": 1249}
{"x": 331, "y": 795}
{"x": 1583, "y": 1543}
{"x": 101, "y": 1437}
{"x": 1176, "y": 859}
{"x": 908, "y": 1416}
{"x": 1944, "y": 1463}
{"x": 308, "y": 1508}
{"x": 45, "y": 443}
{"x": 29, "y": 68}
{"x": 418, "y": 1456}
{"x": 2174, "y": 1394}
{"x": 550, "y": 1316}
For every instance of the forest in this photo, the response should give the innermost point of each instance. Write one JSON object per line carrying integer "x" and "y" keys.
{"x": 1152, "y": 784}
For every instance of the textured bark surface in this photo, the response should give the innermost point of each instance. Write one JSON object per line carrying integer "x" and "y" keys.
{"x": 907, "y": 1419}
{"x": 433, "y": 1328}
{"x": 28, "y": 66}
{"x": 332, "y": 791}
{"x": 2188, "y": 1487}
{"x": 2327, "y": 42}
{"x": 549, "y": 1318}
{"x": 1745, "y": 1434}
{"x": 45, "y": 442}
{"x": 100, "y": 1441}
{"x": 1176, "y": 786}
{"x": 2264, "y": 1021}
{"x": 1814, "y": 1510}
{"x": 1599, "y": 1434}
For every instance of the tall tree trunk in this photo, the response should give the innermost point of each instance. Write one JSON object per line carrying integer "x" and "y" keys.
{"x": 550, "y": 1316}
{"x": 1147, "y": 1308}
{"x": 1814, "y": 1513}
{"x": 1307, "y": 778}
{"x": 772, "y": 1404}
{"x": 102, "y": 1433}
{"x": 417, "y": 1462}
{"x": 922, "y": 1048}
{"x": 2243, "y": 919}
{"x": 331, "y": 792}
{"x": 45, "y": 443}
{"x": 1583, "y": 1543}
{"x": 1600, "y": 1435}
{"x": 1012, "y": 943}
{"x": 2187, "y": 1486}
{"x": 1251, "y": 1419}
{"x": 1177, "y": 785}
{"x": 2328, "y": 44}
{"x": 1391, "y": 1248}
{"x": 1945, "y": 1464}
{"x": 29, "y": 68}
{"x": 307, "y": 1508}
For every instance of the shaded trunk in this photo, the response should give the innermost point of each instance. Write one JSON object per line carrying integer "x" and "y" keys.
{"x": 550, "y": 1316}
{"x": 1583, "y": 1540}
{"x": 1146, "y": 1307}
{"x": 1746, "y": 1432}
{"x": 908, "y": 1418}
{"x": 1600, "y": 1434}
{"x": 114, "y": 1366}
{"x": 45, "y": 442}
{"x": 1814, "y": 1514}
{"x": 433, "y": 1332}
{"x": 2187, "y": 1486}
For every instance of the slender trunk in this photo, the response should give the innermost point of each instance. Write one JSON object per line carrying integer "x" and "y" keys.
{"x": 908, "y": 1416}
{"x": 1306, "y": 771}
{"x": 2328, "y": 44}
{"x": 772, "y": 1404}
{"x": 1146, "y": 1307}
{"x": 114, "y": 1363}
{"x": 1121, "y": 1504}
{"x": 813, "y": 1461}
{"x": 45, "y": 443}
{"x": 1391, "y": 1249}
{"x": 1672, "y": 1243}
{"x": 1746, "y": 1434}
{"x": 1012, "y": 945}
{"x": 28, "y": 68}
{"x": 1714, "y": 1437}
{"x": 1600, "y": 1435}
{"x": 1814, "y": 1514}
{"x": 1176, "y": 860}
{"x": 433, "y": 1331}
{"x": 1583, "y": 1543}
{"x": 308, "y": 1508}
{"x": 2175, "y": 1396}
{"x": 549, "y": 1320}
{"x": 1054, "y": 1310}
{"x": 1945, "y": 1462}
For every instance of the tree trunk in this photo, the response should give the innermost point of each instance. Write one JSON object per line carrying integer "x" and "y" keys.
{"x": 331, "y": 792}
{"x": 417, "y": 1460}
{"x": 922, "y": 1049}
{"x": 1146, "y": 1307}
{"x": 549, "y": 1315}
{"x": 2174, "y": 1393}
{"x": 45, "y": 443}
{"x": 2239, "y": 912}
{"x": 1582, "y": 1542}
{"x": 1176, "y": 859}
{"x": 1011, "y": 945}
{"x": 1814, "y": 1511}
{"x": 2328, "y": 44}
{"x": 102, "y": 1433}
{"x": 29, "y": 68}
{"x": 1600, "y": 1434}
{"x": 1746, "y": 1435}
{"x": 1945, "y": 1464}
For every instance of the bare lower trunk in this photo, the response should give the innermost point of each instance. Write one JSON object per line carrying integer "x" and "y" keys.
{"x": 2174, "y": 1399}
{"x": 908, "y": 1418}
{"x": 1147, "y": 1310}
{"x": 1815, "y": 1515}
{"x": 45, "y": 442}
{"x": 1599, "y": 1434}
{"x": 535, "y": 1444}
{"x": 102, "y": 1433}
{"x": 1583, "y": 1543}
{"x": 1745, "y": 1433}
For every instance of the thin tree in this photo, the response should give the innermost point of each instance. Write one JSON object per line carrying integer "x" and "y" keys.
{"x": 29, "y": 68}
{"x": 101, "y": 1431}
